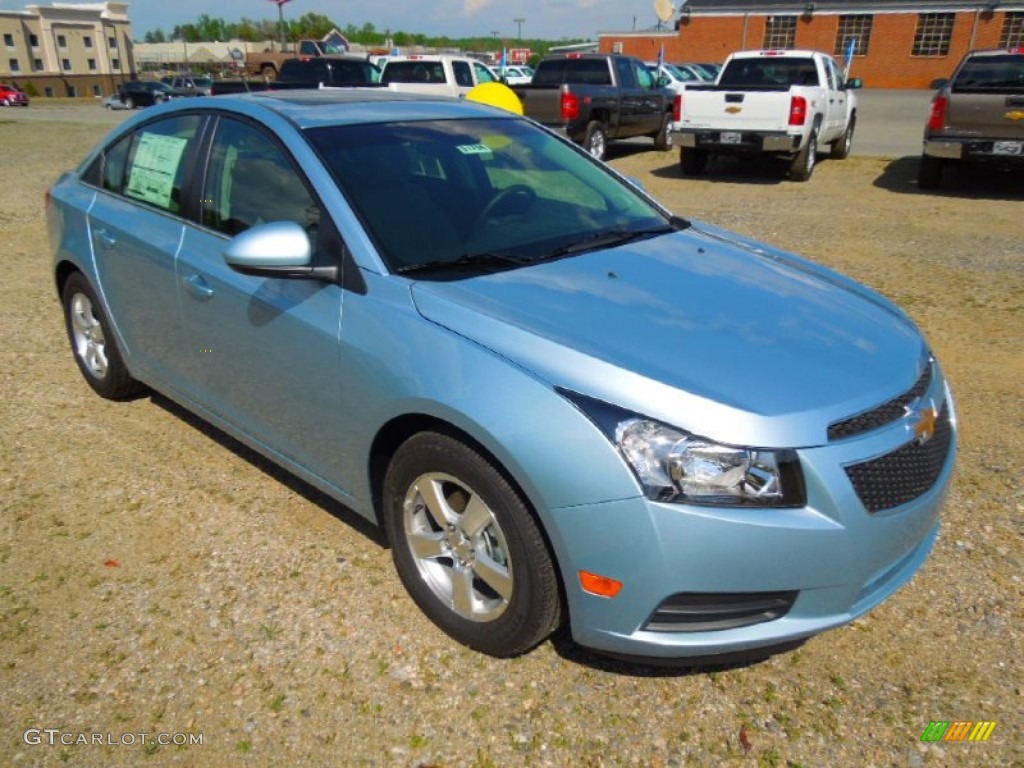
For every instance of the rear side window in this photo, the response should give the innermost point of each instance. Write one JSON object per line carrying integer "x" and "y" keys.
{"x": 150, "y": 164}
{"x": 463, "y": 75}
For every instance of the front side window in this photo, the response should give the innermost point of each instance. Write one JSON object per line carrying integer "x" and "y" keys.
{"x": 779, "y": 32}
{"x": 250, "y": 181}
{"x": 933, "y": 35}
{"x": 478, "y": 191}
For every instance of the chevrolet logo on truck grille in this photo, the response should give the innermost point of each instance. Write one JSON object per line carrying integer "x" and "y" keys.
{"x": 1016, "y": 114}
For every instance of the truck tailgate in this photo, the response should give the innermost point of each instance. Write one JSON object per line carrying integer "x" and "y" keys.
{"x": 734, "y": 110}
{"x": 990, "y": 115}
{"x": 541, "y": 103}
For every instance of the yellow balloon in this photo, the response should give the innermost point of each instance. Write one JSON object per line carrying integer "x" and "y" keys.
{"x": 497, "y": 95}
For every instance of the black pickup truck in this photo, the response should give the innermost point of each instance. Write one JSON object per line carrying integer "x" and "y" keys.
{"x": 594, "y": 98}
{"x": 323, "y": 72}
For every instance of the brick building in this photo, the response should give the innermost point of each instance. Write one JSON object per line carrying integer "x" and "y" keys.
{"x": 897, "y": 43}
{"x": 67, "y": 49}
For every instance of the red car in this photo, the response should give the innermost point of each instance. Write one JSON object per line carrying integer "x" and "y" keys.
{"x": 12, "y": 96}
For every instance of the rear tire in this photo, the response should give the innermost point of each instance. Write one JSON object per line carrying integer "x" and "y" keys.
{"x": 803, "y": 164}
{"x": 929, "y": 172}
{"x": 93, "y": 342}
{"x": 467, "y": 547}
{"x": 692, "y": 161}
{"x": 595, "y": 141}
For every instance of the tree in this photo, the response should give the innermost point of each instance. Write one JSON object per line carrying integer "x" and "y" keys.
{"x": 313, "y": 25}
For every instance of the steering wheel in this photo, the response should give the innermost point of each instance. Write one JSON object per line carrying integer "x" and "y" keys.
{"x": 523, "y": 193}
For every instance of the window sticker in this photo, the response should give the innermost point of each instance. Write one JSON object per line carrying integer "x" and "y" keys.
{"x": 154, "y": 168}
{"x": 474, "y": 149}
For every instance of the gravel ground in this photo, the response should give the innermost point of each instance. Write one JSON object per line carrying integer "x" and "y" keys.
{"x": 156, "y": 578}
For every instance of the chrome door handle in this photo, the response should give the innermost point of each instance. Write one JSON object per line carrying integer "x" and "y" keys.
{"x": 198, "y": 287}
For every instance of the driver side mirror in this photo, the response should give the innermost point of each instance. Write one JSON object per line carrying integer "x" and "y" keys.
{"x": 278, "y": 249}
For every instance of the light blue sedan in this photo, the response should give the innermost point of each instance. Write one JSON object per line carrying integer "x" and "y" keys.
{"x": 564, "y": 404}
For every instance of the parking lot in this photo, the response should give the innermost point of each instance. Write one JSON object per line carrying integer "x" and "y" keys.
{"x": 158, "y": 578}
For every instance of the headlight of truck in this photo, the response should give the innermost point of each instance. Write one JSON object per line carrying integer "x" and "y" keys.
{"x": 675, "y": 466}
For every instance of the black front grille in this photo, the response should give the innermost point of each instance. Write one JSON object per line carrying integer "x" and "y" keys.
{"x": 904, "y": 474}
{"x": 888, "y": 412}
{"x": 712, "y": 611}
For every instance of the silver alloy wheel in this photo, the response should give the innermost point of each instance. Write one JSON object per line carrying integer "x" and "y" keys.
{"x": 597, "y": 146}
{"x": 90, "y": 343}
{"x": 458, "y": 547}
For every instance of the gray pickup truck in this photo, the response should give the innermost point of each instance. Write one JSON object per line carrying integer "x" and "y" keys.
{"x": 977, "y": 116}
{"x": 594, "y": 98}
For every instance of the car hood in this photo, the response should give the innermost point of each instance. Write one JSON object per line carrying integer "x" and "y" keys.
{"x": 712, "y": 333}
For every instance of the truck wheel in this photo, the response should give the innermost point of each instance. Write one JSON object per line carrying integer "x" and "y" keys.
{"x": 841, "y": 146}
{"x": 596, "y": 139}
{"x": 929, "y": 172}
{"x": 803, "y": 164}
{"x": 663, "y": 138}
{"x": 693, "y": 161}
{"x": 269, "y": 73}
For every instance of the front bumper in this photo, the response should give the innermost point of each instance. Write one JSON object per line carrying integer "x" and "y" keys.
{"x": 825, "y": 563}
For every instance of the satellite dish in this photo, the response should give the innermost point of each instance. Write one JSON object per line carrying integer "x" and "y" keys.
{"x": 664, "y": 10}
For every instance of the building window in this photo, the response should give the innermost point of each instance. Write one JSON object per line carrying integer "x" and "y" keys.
{"x": 62, "y": 42}
{"x": 115, "y": 64}
{"x": 92, "y": 64}
{"x": 65, "y": 64}
{"x": 97, "y": 91}
{"x": 1013, "y": 30}
{"x": 934, "y": 31}
{"x": 87, "y": 41}
{"x": 8, "y": 39}
{"x": 33, "y": 40}
{"x": 112, "y": 43}
{"x": 779, "y": 32}
{"x": 37, "y": 65}
{"x": 14, "y": 64}
{"x": 72, "y": 92}
{"x": 855, "y": 30}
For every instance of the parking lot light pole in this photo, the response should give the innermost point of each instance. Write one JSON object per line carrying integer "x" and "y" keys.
{"x": 519, "y": 21}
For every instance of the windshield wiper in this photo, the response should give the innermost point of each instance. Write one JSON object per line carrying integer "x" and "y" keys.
{"x": 615, "y": 237}
{"x": 484, "y": 260}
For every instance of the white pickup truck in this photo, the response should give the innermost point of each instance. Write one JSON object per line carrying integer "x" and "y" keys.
{"x": 435, "y": 75}
{"x": 787, "y": 103}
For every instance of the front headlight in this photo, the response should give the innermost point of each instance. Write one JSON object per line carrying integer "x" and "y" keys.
{"x": 675, "y": 466}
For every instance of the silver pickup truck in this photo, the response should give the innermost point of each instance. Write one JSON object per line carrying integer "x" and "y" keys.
{"x": 977, "y": 116}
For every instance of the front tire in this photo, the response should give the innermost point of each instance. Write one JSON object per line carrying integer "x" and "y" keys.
{"x": 93, "y": 343}
{"x": 467, "y": 547}
{"x": 840, "y": 148}
{"x": 663, "y": 138}
{"x": 803, "y": 164}
{"x": 129, "y": 103}
{"x": 595, "y": 141}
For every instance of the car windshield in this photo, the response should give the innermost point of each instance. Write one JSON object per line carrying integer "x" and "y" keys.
{"x": 480, "y": 194}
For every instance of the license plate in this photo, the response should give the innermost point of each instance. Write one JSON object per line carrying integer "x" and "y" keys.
{"x": 730, "y": 137}
{"x": 1008, "y": 148}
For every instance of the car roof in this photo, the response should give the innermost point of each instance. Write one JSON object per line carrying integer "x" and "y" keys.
{"x": 310, "y": 108}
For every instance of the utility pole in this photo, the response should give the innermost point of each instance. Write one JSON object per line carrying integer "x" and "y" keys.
{"x": 519, "y": 21}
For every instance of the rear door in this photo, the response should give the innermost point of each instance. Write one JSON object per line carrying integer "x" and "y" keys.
{"x": 136, "y": 227}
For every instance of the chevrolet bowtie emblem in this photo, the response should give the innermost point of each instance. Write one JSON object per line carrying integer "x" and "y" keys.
{"x": 924, "y": 429}
{"x": 736, "y": 110}
{"x": 1015, "y": 114}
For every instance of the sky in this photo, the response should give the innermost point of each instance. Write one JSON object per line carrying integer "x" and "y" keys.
{"x": 552, "y": 20}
